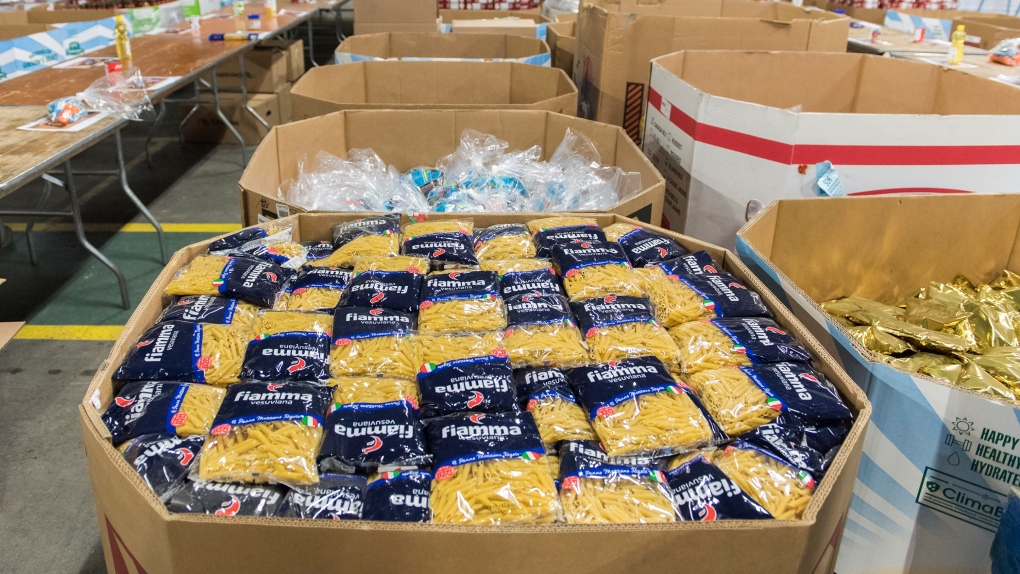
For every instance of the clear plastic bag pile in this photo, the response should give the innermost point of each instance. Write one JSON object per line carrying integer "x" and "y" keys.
{"x": 120, "y": 94}
{"x": 480, "y": 175}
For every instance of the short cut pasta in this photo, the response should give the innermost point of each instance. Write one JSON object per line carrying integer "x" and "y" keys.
{"x": 368, "y": 245}
{"x": 733, "y": 400}
{"x": 492, "y": 492}
{"x": 782, "y": 490}
{"x": 438, "y": 226}
{"x": 406, "y": 263}
{"x": 273, "y": 322}
{"x": 664, "y": 421}
{"x": 536, "y": 345}
{"x": 632, "y": 340}
{"x": 559, "y": 419}
{"x": 199, "y": 407}
{"x": 618, "y": 499}
{"x": 351, "y": 390}
{"x": 546, "y": 223}
{"x": 223, "y": 348}
{"x": 485, "y": 313}
{"x": 504, "y": 266}
{"x": 438, "y": 349}
{"x": 392, "y": 354}
{"x": 703, "y": 347}
{"x": 198, "y": 277}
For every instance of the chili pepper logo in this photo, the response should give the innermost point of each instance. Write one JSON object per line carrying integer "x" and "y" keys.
{"x": 299, "y": 364}
{"x": 273, "y": 387}
{"x": 374, "y": 446}
{"x": 475, "y": 400}
{"x": 185, "y": 456}
{"x": 230, "y": 508}
{"x": 122, "y": 402}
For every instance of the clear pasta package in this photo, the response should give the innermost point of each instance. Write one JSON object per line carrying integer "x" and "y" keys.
{"x": 399, "y": 495}
{"x": 596, "y": 490}
{"x": 266, "y": 433}
{"x": 371, "y": 341}
{"x": 683, "y": 298}
{"x": 314, "y": 289}
{"x": 288, "y": 254}
{"x": 316, "y": 250}
{"x": 541, "y": 331}
{"x": 461, "y": 301}
{"x": 209, "y": 309}
{"x": 372, "y": 423}
{"x": 444, "y": 242}
{"x": 695, "y": 263}
{"x": 779, "y": 488}
{"x": 643, "y": 247}
{"x": 489, "y": 471}
{"x": 289, "y": 346}
{"x": 334, "y": 497}
{"x": 792, "y": 442}
{"x": 482, "y": 384}
{"x": 595, "y": 269}
{"x": 433, "y": 350}
{"x": 159, "y": 408}
{"x": 546, "y": 394}
{"x": 744, "y": 398}
{"x": 735, "y": 342}
{"x": 552, "y": 230}
{"x": 637, "y": 408}
{"x": 366, "y": 237}
{"x": 703, "y": 493}
{"x": 163, "y": 461}
{"x": 504, "y": 241}
{"x": 256, "y": 282}
{"x": 521, "y": 276}
{"x": 269, "y": 233}
{"x": 227, "y": 498}
{"x": 414, "y": 264}
{"x": 179, "y": 351}
{"x": 620, "y": 327}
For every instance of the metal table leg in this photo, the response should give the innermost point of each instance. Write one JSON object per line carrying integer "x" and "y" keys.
{"x": 223, "y": 117}
{"x": 47, "y": 187}
{"x": 244, "y": 95}
{"x": 152, "y": 131}
{"x": 311, "y": 44}
{"x": 134, "y": 198}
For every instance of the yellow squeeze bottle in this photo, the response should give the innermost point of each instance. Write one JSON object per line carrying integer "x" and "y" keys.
{"x": 957, "y": 39}
{"x": 122, "y": 42}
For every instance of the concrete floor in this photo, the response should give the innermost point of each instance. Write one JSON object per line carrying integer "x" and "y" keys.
{"x": 47, "y": 517}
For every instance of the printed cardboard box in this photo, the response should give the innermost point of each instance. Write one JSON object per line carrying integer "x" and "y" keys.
{"x": 139, "y": 535}
{"x": 732, "y": 131}
{"x": 938, "y": 460}
{"x": 617, "y": 40}
{"x": 437, "y": 46}
{"x": 435, "y": 134}
{"x": 375, "y": 16}
{"x": 403, "y": 85}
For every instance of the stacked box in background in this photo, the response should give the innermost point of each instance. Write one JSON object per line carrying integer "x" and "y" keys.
{"x": 732, "y": 131}
{"x": 562, "y": 43}
{"x": 271, "y": 70}
{"x": 437, "y": 46}
{"x": 617, "y": 40}
{"x": 939, "y": 460}
{"x": 527, "y": 23}
{"x": 375, "y": 16}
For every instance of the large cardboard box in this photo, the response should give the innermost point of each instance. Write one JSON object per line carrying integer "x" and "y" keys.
{"x": 266, "y": 70}
{"x": 437, "y": 46}
{"x": 527, "y": 23}
{"x": 937, "y": 466}
{"x": 206, "y": 126}
{"x": 375, "y": 16}
{"x": 563, "y": 44}
{"x": 140, "y": 535}
{"x": 988, "y": 30}
{"x": 294, "y": 51}
{"x": 617, "y": 40}
{"x": 403, "y": 85}
{"x": 733, "y": 131}
{"x": 435, "y": 134}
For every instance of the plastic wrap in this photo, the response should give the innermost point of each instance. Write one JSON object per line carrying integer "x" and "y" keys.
{"x": 335, "y": 497}
{"x": 623, "y": 327}
{"x": 163, "y": 460}
{"x": 434, "y": 350}
{"x": 120, "y": 95}
{"x": 461, "y": 301}
{"x": 541, "y": 332}
{"x": 737, "y": 342}
{"x": 546, "y": 394}
{"x": 209, "y": 309}
{"x": 66, "y": 110}
{"x": 594, "y": 269}
{"x": 359, "y": 181}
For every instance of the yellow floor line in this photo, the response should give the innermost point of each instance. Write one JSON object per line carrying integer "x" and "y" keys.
{"x": 70, "y": 332}
{"x": 133, "y": 227}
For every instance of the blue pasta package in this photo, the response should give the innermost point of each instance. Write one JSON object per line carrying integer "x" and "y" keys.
{"x": 364, "y": 436}
{"x": 227, "y": 498}
{"x": 335, "y": 497}
{"x": 163, "y": 460}
{"x": 152, "y": 407}
{"x": 477, "y": 384}
{"x": 398, "y": 290}
{"x": 399, "y": 496}
{"x": 703, "y": 493}
{"x": 442, "y": 248}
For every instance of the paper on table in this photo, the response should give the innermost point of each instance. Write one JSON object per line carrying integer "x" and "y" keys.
{"x": 45, "y": 125}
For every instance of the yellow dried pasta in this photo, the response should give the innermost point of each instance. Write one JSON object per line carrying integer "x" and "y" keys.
{"x": 279, "y": 451}
{"x": 559, "y": 419}
{"x": 486, "y": 313}
{"x": 387, "y": 355}
{"x": 782, "y": 490}
{"x": 198, "y": 277}
{"x": 621, "y": 499}
{"x": 350, "y": 390}
{"x": 309, "y": 299}
{"x": 408, "y": 263}
{"x": 368, "y": 245}
{"x": 492, "y": 492}
{"x": 438, "y": 226}
{"x": 617, "y": 230}
{"x": 672, "y": 300}
{"x": 601, "y": 281}
{"x": 558, "y": 344}
{"x": 273, "y": 322}
{"x": 703, "y": 347}
{"x": 632, "y": 340}
{"x": 437, "y": 349}
{"x": 508, "y": 241}
{"x": 659, "y": 422}
{"x": 733, "y": 400}
{"x": 198, "y": 409}
{"x": 223, "y": 348}
{"x": 504, "y": 266}
{"x": 546, "y": 223}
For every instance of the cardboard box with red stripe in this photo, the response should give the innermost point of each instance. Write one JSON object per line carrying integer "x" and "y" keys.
{"x": 731, "y": 131}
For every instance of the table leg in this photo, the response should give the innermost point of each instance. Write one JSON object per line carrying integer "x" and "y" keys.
{"x": 244, "y": 95}
{"x": 47, "y": 187}
{"x": 311, "y": 45}
{"x": 223, "y": 117}
{"x": 152, "y": 130}
{"x": 79, "y": 230}
{"x": 134, "y": 198}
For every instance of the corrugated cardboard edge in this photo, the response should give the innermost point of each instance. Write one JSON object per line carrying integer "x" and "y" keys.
{"x": 154, "y": 531}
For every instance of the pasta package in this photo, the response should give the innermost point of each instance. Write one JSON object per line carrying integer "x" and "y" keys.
{"x": 521, "y": 276}
{"x": 621, "y": 327}
{"x": 637, "y": 408}
{"x": 289, "y": 346}
{"x": 737, "y": 342}
{"x": 643, "y": 247}
{"x": 594, "y": 269}
{"x": 373, "y": 422}
{"x": 489, "y": 471}
{"x": 369, "y": 341}
{"x": 209, "y": 309}
{"x": 696, "y": 263}
{"x": 368, "y": 245}
{"x": 227, "y": 499}
{"x": 536, "y": 226}
{"x": 478, "y": 384}
{"x": 335, "y": 497}
{"x": 595, "y": 490}
{"x": 702, "y": 492}
{"x": 442, "y": 249}
{"x": 788, "y": 440}
{"x": 287, "y": 254}
{"x": 781, "y": 490}
{"x": 419, "y": 228}
{"x": 545, "y": 240}
{"x": 161, "y": 408}
{"x": 404, "y": 263}
{"x": 504, "y": 241}
{"x": 461, "y": 301}
{"x": 251, "y": 280}
{"x": 178, "y": 351}
{"x": 705, "y": 296}
{"x": 316, "y": 250}
{"x": 163, "y": 460}
{"x": 264, "y": 234}
{"x": 266, "y": 433}
{"x": 542, "y": 332}
{"x": 348, "y": 231}
{"x": 396, "y": 290}
{"x": 399, "y": 496}
{"x": 314, "y": 289}
{"x": 546, "y": 394}
{"x": 434, "y": 350}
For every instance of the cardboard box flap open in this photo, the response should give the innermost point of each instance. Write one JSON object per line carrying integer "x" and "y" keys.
{"x": 437, "y": 45}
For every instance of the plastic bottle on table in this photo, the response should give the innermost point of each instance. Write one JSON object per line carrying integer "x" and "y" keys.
{"x": 957, "y": 40}
{"x": 122, "y": 42}
{"x": 240, "y": 22}
{"x": 270, "y": 8}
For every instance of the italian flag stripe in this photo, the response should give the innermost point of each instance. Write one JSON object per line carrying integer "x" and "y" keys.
{"x": 530, "y": 456}
{"x": 310, "y": 421}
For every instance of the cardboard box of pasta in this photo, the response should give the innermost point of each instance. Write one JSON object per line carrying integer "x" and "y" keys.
{"x": 140, "y": 535}
{"x": 939, "y": 460}
{"x": 405, "y": 85}
{"x": 617, "y": 40}
{"x": 410, "y": 139}
{"x": 437, "y": 46}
